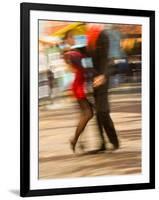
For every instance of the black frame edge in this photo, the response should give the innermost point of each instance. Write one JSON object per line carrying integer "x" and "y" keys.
{"x": 90, "y": 189}
{"x": 152, "y": 99}
{"x": 87, "y": 9}
{"x": 24, "y": 102}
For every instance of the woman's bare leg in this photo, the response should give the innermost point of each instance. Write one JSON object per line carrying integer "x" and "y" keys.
{"x": 86, "y": 115}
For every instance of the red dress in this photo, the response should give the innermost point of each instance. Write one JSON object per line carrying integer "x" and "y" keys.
{"x": 78, "y": 86}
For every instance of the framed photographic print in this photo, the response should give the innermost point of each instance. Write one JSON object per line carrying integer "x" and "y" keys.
{"x": 87, "y": 99}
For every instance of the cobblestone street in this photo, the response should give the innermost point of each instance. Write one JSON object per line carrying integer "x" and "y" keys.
{"x": 57, "y": 126}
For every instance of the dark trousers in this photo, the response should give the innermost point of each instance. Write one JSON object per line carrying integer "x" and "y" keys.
{"x": 104, "y": 121}
{"x": 101, "y": 67}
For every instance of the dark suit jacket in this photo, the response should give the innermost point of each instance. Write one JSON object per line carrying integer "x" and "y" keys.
{"x": 100, "y": 60}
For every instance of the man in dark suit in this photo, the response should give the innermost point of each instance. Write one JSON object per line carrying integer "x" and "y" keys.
{"x": 98, "y": 46}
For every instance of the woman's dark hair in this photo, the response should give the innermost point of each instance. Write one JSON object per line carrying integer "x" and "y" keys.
{"x": 66, "y": 35}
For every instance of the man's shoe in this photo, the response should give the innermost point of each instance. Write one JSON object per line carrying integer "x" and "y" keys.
{"x": 116, "y": 146}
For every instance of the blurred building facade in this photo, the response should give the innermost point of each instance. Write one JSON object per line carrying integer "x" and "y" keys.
{"x": 51, "y": 63}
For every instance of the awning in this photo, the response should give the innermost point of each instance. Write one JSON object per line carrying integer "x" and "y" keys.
{"x": 78, "y": 28}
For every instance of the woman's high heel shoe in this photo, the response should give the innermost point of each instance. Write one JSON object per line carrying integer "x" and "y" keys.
{"x": 72, "y": 144}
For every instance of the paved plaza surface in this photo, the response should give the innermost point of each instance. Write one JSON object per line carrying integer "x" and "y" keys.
{"x": 57, "y": 126}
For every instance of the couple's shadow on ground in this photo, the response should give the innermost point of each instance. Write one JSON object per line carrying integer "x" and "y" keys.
{"x": 92, "y": 152}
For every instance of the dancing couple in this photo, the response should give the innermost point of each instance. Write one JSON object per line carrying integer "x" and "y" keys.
{"x": 97, "y": 48}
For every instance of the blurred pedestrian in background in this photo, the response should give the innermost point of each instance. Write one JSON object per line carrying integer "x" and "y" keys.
{"x": 50, "y": 77}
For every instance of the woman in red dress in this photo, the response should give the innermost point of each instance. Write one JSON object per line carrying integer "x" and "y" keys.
{"x": 73, "y": 58}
